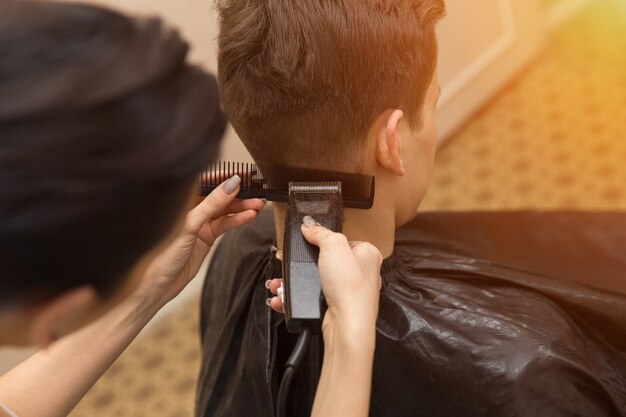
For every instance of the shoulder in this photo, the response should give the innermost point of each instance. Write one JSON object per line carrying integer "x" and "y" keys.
{"x": 577, "y": 247}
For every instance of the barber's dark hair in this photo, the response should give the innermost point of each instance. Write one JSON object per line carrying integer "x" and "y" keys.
{"x": 103, "y": 130}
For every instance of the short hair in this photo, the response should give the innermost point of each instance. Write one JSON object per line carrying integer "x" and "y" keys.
{"x": 103, "y": 129}
{"x": 302, "y": 81}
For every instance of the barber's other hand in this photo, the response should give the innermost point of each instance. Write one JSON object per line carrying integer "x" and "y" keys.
{"x": 175, "y": 267}
{"x": 350, "y": 278}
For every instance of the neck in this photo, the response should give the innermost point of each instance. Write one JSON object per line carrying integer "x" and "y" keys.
{"x": 376, "y": 225}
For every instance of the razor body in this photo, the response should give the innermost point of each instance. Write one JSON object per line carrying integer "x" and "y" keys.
{"x": 303, "y": 301}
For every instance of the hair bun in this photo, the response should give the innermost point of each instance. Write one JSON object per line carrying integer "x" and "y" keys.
{"x": 140, "y": 53}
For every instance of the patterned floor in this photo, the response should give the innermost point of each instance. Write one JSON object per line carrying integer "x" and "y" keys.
{"x": 556, "y": 138}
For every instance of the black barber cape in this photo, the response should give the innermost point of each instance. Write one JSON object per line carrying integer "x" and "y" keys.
{"x": 481, "y": 314}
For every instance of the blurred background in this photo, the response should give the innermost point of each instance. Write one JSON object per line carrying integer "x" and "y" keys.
{"x": 532, "y": 116}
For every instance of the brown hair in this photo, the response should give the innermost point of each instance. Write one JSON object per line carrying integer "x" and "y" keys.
{"x": 103, "y": 130}
{"x": 302, "y": 81}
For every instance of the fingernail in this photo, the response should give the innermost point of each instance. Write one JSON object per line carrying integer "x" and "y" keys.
{"x": 231, "y": 185}
{"x": 264, "y": 201}
{"x": 267, "y": 283}
{"x": 279, "y": 255}
{"x": 268, "y": 301}
{"x": 309, "y": 221}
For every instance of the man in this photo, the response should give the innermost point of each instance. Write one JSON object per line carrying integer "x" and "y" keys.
{"x": 351, "y": 86}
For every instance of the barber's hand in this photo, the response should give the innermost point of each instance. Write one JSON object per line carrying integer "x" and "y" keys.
{"x": 350, "y": 278}
{"x": 174, "y": 268}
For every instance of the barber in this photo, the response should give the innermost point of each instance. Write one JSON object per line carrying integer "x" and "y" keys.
{"x": 104, "y": 128}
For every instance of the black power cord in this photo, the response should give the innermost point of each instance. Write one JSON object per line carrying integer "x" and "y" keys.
{"x": 290, "y": 370}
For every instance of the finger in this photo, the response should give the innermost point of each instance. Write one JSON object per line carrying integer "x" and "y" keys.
{"x": 225, "y": 224}
{"x": 217, "y": 176}
{"x": 215, "y": 228}
{"x": 252, "y": 203}
{"x": 214, "y": 203}
{"x": 242, "y": 205}
{"x": 369, "y": 259}
{"x": 278, "y": 254}
{"x": 273, "y": 285}
{"x": 354, "y": 243}
{"x": 325, "y": 239}
{"x": 368, "y": 256}
{"x": 365, "y": 252}
{"x": 275, "y": 304}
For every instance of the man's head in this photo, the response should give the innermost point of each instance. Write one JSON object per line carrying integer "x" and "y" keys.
{"x": 103, "y": 130}
{"x": 338, "y": 84}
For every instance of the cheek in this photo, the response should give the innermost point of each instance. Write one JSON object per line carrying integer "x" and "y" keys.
{"x": 418, "y": 161}
{"x": 428, "y": 158}
{"x": 421, "y": 170}
{"x": 429, "y": 139}
{"x": 424, "y": 154}
{"x": 427, "y": 150}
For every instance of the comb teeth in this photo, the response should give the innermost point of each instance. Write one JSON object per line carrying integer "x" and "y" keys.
{"x": 220, "y": 171}
{"x": 272, "y": 182}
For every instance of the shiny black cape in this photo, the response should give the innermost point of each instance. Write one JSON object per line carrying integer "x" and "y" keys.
{"x": 481, "y": 314}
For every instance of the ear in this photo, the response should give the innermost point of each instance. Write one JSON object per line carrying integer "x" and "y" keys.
{"x": 51, "y": 317}
{"x": 388, "y": 143}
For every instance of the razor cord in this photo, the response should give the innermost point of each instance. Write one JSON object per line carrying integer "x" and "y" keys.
{"x": 290, "y": 370}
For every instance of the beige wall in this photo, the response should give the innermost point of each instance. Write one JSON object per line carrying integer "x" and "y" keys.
{"x": 480, "y": 49}
{"x": 473, "y": 36}
{"x": 483, "y": 45}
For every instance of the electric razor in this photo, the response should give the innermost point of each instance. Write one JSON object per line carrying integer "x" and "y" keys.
{"x": 317, "y": 193}
{"x": 303, "y": 300}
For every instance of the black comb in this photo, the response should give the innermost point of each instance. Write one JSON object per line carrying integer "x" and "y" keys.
{"x": 272, "y": 182}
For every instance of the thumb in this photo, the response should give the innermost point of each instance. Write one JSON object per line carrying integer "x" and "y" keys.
{"x": 369, "y": 258}
{"x": 213, "y": 204}
{"x": 320, "y": 236}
